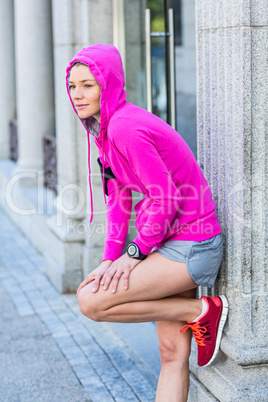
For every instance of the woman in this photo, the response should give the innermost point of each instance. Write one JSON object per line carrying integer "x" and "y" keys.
{"x": 178, "y": 245}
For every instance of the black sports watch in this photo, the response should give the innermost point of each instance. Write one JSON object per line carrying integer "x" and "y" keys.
{"x": 133, "y": 251}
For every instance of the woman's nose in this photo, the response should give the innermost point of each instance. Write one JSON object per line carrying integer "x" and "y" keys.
{"x": 77, "y": 93}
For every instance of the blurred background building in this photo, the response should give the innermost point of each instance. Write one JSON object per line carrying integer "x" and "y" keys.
{"x": 201, "y": 66}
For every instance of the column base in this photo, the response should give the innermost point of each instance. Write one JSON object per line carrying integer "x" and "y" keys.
{"x": 64, "y": 281}
{"x": 92, "y": 257}
{"x": 29, "y": 175}
{"x": 32, "y": 210}
{"x": 227, "y": 381}
{"x": 64, "y": 259}
{"x": 198, "y": 393}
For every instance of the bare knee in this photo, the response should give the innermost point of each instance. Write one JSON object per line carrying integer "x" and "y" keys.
{"x": 89, "y": 305}
{"x": 174, "y": 351}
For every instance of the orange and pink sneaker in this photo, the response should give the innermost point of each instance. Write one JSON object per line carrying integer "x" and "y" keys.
{"x": 207, "y": 328}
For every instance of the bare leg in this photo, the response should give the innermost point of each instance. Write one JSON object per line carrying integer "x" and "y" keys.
{"x": 175, "y": 348}
{"x": 152, "y": 283}
{"x": 160, "y": 290}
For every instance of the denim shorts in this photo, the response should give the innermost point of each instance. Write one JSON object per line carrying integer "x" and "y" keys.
{"x": 203, "y": 258}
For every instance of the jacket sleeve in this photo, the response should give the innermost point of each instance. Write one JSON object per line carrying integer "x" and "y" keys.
{"x": 118, "y": 215}
{"x": 156, "y": 182}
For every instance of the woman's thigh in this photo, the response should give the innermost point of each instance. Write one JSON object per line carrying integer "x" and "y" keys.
{"x": 154, "y": 278}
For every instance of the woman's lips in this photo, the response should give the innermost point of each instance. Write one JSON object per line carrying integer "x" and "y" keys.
{"x": 79, "y": 107}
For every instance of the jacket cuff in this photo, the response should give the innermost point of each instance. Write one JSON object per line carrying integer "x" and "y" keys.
{"x": 112, "y": 250}
{"x": 143, "y": 247}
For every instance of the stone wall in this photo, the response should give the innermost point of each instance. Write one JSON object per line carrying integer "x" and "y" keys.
{"x": 185, "y": 65}
{"x": 232, "y": 151}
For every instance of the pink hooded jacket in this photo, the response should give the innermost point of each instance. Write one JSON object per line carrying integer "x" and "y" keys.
{"x": 144, "y": 154}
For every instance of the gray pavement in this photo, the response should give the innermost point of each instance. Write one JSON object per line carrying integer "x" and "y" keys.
{"x": 50, "y": 352}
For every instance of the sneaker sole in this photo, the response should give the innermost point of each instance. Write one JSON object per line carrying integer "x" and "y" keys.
{"x": 223, "y": 318}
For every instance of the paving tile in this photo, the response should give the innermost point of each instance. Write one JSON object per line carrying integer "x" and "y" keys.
{"x": 100, "y": 396}
{"x": 83, "y": 371}
{"x": 121, "y": 391}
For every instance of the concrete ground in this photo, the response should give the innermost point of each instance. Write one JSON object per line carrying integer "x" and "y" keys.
{"x": 50, "y": 352}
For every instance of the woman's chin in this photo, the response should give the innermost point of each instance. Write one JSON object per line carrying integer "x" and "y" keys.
{"x": 83, "y": 114}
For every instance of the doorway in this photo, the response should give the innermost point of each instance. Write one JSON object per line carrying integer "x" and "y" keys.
{"x": 172, "y": 49}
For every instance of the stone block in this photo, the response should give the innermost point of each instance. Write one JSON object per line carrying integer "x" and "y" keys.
{"x": 66, "y": 120}
{"x": 64, "y": 281}
{"x": 230, "y": 382}
{"x": 92, "y": 257}
{"x": 63, "y": 24}
{"x": 259, "y": 13}
{"x": 82, "y": 153}
{"x": 39, "y": 233}
{"x": 66, "y": 254}
{"x": 258, "y": 221}
{"x": 65, "y": 229}
{"x": 198, "y": 393}
{"x": 245, "y": 354}
{"x": 29, "y": 215}
{"x": 33, "y": 44}
{"x": 134, "y": 21}
{"x": 133, "y": 67}
{"x": 226, "y": 13}
{"x": 100, "y": 29}
{"x": 222, "y": 14}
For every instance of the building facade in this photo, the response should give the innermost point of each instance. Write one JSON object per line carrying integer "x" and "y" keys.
{"x": 207, "y": 77}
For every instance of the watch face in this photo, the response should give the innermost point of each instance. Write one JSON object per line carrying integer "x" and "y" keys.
{"x": 132, "y": 250}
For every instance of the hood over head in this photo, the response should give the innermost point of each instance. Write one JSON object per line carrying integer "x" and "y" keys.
{"x": 105, "y": 63}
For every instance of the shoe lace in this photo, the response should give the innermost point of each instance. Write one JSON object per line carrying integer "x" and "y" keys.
{"x": 198, "y": 332}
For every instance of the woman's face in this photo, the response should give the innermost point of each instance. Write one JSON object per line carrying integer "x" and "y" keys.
{"x": 85, "y": 92}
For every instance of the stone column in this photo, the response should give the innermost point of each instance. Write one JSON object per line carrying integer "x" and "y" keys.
{"x": 185, "y": 64}
{"x": 7, "y": 72}
{"x": 119, "y": 34}
{"x": 34, "y": 73}
{"x": 232, "y": 148}
{"x": 77, "y": 245}
{"x": 133, "y": 48}
{"x": 100, "y": 17}
{"x": 64, "y": 258}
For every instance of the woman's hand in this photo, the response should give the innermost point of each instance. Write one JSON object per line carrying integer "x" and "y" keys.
{"x": 122, "y": 266}
{"x": 95, "y": 276}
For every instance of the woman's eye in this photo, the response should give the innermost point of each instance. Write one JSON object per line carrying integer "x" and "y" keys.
{"x": 88, "y": 85}
{"x": 71, "y": 87}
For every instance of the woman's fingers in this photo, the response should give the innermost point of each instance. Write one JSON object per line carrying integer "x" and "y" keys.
{"x": 88, "y": 279}
{"x": 126, "y": 279}
{"x": 96, "y": 276}
{"x": 107, "y": 278}
{"x": 116, "y": 278}
{"x": 106, "y": 275}
{"x": 113, "y": 274}
{"x": 97, "y": 281}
